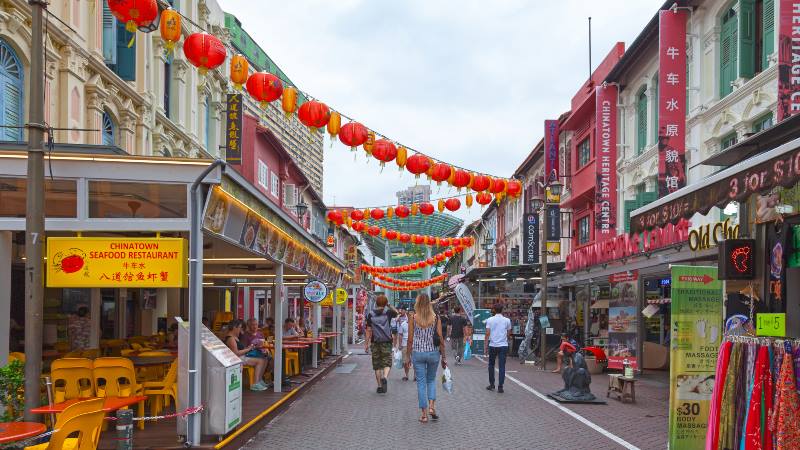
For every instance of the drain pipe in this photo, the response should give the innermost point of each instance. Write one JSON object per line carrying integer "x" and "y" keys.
{"x": 193, "y": 422}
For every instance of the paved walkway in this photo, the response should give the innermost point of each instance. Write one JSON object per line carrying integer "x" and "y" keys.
{"x": 343, "y": 411}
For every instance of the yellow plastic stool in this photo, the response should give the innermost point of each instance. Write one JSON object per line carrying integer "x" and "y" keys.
{"x": 292, "y": 364}
{"x": 249, "y": 374}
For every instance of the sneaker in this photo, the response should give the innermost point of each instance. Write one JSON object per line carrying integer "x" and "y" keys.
{"x": 380, "y": 390}
{"x": 499, "y": 389}
{"x": 258, "y": 387}
{"x": 490, "y": 387}
{"x": 385, "y": 385}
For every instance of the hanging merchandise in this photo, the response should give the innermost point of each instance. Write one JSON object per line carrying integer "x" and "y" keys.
{"x": 264, "y": 87}
{"x": 314, "y": 115}
{"x": 240, "y": 68}
{"x": 170, "y": 29}
{"x": 204, "y": 51}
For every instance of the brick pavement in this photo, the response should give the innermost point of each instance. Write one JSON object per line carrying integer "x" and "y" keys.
{"x": 343, "y": 411}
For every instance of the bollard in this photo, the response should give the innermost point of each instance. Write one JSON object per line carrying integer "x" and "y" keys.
{"x": 125, "y": 429}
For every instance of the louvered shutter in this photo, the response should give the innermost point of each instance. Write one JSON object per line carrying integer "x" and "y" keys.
{"x": 12, "y": 108}
{"x": 727, "y": 54}
{"x": 630, "y": 206}
{"x": 768, "y": 27}
{"x": 109, "y": 36}
{"x": 656, "y": 104}
{"x": 747, "y": 38}
{"x": 126, "y": 56}
{"x": 641, "y": 122}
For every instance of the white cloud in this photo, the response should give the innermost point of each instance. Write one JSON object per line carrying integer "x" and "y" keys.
{"x": 467, "y": 82}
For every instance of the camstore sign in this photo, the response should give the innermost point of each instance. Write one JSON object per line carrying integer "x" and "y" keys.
{"x": 625, "y": 245}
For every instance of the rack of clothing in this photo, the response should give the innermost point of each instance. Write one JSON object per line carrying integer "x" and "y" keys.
{"x": 755, "y": 403}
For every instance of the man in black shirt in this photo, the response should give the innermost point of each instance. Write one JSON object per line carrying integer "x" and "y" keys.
{"x": 458, "y": 324}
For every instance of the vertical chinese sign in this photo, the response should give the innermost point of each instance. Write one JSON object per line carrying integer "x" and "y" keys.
{"x": 671, "y": 101}
{"x": 233, "y": 130}
{"x": 551, "y": 150}
{"x": 788, "y": 51}
{"x": 605, "y": 205}
{"x": 696, "y": 320}
{"x": 623, "y": 343}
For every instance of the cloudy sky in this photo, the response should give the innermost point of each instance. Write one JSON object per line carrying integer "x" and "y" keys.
{"x": 467, "y": 82}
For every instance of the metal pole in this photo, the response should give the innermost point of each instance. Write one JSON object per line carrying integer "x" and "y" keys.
{"x": 34, "y": 219}
{"x": 543, "y": 306}
{"x": 196, "y": 305}
{"x": 277, "y": 372}
{"x": 125, "y": 429}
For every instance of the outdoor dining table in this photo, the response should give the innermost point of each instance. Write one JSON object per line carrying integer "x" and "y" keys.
{"x": 141, "y": 361}
{"x": 17, "y": 431}
{"x": 110, "y": 404}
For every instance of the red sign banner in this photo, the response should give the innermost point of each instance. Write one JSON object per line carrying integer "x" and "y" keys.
{"x": 788, "y": 51}
{"x": 671, "y": 101}
{"x": 605, "y": 205}
{"x": 551, "y": 150}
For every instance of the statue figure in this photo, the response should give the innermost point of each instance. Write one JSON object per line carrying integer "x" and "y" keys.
{"x": 576, "y": 381}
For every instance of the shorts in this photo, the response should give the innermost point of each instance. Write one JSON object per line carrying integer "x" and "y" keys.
{"x": 381, "y": 355}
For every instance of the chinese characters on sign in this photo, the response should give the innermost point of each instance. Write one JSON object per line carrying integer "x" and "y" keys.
{"x": 605, "y": 205}
{"x": 551, "y": 150}
{"x": 116, "y": 262}
{"x": 233, "y": 130}
{"x": 671, "y": 101}
{"x": 788, "y": 52}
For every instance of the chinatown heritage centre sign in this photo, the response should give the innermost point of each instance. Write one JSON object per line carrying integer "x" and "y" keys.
{"x": 100, "y": 262}
{"x": 605, "y": 212}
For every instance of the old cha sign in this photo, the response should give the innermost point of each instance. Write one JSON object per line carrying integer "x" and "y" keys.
{"x": 315, "y": 291}
{"x": 709, "y": 235}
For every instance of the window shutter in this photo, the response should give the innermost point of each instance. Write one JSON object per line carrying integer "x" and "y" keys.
{"x": 768, "y": 34}
{"x": 109, "y": 36}
{"x": 289, "y": 194}
{"x": 641, "y": 123}
{"x": 126, "y": 56}
{"x": 727, "y": 55}
{"x": 747, "y": 38}
{"x": 655, "y": 109}
{"x": 12, "y": 109}
{"x": 630, "y": 205}
{"x": 647, "y": 198}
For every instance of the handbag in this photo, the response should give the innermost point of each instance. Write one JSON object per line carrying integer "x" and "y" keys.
{"x": 437, "y": 341}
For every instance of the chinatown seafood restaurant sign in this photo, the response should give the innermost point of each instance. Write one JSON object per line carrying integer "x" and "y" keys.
{"x": 95, "y": 262}
{"x": 626, "y": 245}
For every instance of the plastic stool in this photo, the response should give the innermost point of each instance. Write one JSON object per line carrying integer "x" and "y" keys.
{"x": 249, "y": 373}
{"x": 292, "y": 364}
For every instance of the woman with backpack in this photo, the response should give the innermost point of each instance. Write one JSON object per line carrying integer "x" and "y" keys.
{"x": 425, "y": 349}
{"x": 379, "y": 336}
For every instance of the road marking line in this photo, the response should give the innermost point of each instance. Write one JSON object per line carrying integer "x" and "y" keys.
{"x": 572, "y": 413}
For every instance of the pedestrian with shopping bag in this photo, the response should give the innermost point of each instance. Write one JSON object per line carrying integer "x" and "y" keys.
{"x": 425, "y": 350}
{"x": 379, "y": 337}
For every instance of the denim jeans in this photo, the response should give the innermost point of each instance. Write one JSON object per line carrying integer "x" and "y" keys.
{"x": 500, "y": 353}
{"x": 425, "y": 366}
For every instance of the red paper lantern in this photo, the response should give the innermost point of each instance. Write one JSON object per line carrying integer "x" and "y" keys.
{"x": 449, "y": 253}
{"x": 404, "y": 238}
{"x": 418, "y": 239}
{"x": 483, "y": 198}
{"x": 452, "y": 204}
{"x": 498, "y": 186}
{"x": 335, "y": 217}
{"x": 439, "y": 258}
{"x": 418, "y": 164}
{"x": 430, "y": 240}
{"x": 461, "y": 179}
{"x": 514, "y": 188}
{"x": 384, "y": 151}
{"x": 426, "y": 208}
{"x": 440, "y": 172}
{"x": 430, "y": 261}
{"x": 391, "y": 235}
{"x": 204, "y": 51}
{"x": 444, "y": 242}
{"x": 353, "y": 134}
{"x": 377, "y": 214}
{"x": 402, "y": 211}
{"x": 373, "y": 230}
{"x": 356, "y": 214}
{"x": 455, "y": 242}
{"x": 314, "y": 114}
{"x": 264, "y": 87}
{"x": 134, "y": 13}
{"x": 480, "y": 183}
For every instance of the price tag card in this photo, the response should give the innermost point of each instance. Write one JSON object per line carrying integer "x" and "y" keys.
{"x": 771, "y": 324}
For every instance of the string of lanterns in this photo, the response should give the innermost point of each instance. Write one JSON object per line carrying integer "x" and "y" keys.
{"x": 404, "y": 285}
{"x": 430, "y": 261}
{"x": 207, "y": 52}
{"x": 416, "y": 239}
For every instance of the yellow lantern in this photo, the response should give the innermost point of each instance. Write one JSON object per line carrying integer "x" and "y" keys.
{"x": 334, "y": 124}
{"x": 366, "y": 213}
{"x": 452, "y": 176}
{"x": 289, "y": 101}
{"x": 370, "y": 143}
{"x": 402, "y": 156}
{"x": 389, "y": 212}
{"x": 383, "y": 233}
{"x": 170, "y": 28}
{"x": 431, "y": 164}
{"x": 468, "y": 200}
{"x": 440, "y": 206}
{"x": 349, "y": 221}
{"x": 414, "y": 209}
{"x": 239, "y": 71}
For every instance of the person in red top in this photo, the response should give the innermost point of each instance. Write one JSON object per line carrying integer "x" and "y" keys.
{"x": 565, "y": 349}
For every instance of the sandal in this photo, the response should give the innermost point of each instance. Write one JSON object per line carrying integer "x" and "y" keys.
{"x": 433, "y": 415}
{"x": 423, "y": 419}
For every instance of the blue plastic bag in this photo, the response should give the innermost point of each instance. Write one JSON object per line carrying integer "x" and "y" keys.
{"x": 467, "y": 351}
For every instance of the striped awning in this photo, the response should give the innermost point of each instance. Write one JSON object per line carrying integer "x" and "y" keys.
{"x": 659, "y": 301}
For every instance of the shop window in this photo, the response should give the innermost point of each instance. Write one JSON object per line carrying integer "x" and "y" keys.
{"x": 728, "y": 141}
{"x": 109, "y": 130}
{"x": 583, "y": 230}
{"x": 119, "y": 199}
{"x": 641, "y": 120}
{"x": 11, "y": 94}
{"x": 263, "y": 174}
{"x": 728, "y": 54}
{"x": 763, "y": 122}
{"x": 275, "y": 185}
{"x": 584, "y": 153}
{"x": 289, "y": 196}
{"x": 60, "y": 198}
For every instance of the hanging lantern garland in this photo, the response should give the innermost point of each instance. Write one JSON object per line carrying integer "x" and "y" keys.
{"x": 438, "y": 258}
{"x": 407, "y": 285}
{"x": 204, "y": 51}
{"x": 405, "y": 238}
{"x": 134, "y": 14}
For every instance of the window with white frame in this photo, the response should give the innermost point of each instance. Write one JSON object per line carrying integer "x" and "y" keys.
{"x": 263, "y": 174}
{"x": 275, "y": 184}
{"x": 290, "y": 197}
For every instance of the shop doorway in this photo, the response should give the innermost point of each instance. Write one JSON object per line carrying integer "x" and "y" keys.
{"x": 108, "y": 314}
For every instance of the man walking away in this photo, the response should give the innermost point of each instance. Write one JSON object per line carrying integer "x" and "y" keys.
{"x": 457, "y": 325}
{"x": 402, "y": 338}
{"x": 498, "y": 331}
{"x": 379, "y": 335}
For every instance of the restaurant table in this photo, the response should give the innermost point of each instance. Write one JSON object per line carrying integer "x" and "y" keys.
{"x": 17, "y": 431}
{"x": 110, "y": 404}
{"x": 141, "y": 361}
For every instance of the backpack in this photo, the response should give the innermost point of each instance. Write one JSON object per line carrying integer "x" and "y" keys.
{"x": 381, "y": 327}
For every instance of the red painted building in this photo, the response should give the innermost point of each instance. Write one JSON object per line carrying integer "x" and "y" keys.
{"x": 581, "y": 147}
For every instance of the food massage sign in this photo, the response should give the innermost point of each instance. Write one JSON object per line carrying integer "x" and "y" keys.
{"x": 116, "y": 262}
